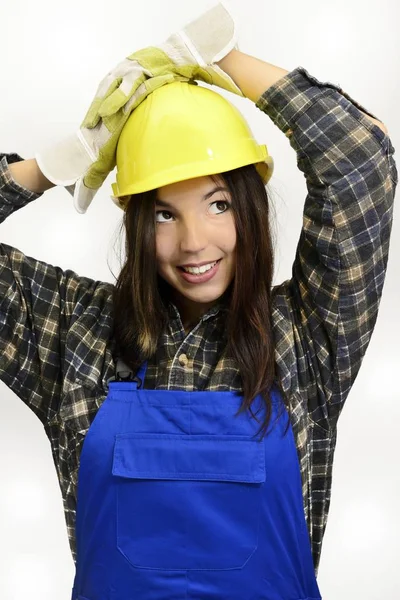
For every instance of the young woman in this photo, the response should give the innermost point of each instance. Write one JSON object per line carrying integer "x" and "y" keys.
{"x": 191, "y": 409}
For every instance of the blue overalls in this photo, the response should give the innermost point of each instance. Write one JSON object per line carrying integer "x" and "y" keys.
{"x": 179, "y": 498}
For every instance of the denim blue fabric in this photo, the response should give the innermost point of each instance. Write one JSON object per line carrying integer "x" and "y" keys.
{"x": 180, "y": 497}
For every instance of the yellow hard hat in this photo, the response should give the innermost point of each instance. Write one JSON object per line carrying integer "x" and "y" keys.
{"x": 183, "y": 131}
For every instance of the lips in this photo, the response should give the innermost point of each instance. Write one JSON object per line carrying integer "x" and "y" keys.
{"x": 201, "y": 277}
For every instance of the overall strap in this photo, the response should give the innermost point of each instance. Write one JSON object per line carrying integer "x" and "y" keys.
{"x": 125, "y": 373}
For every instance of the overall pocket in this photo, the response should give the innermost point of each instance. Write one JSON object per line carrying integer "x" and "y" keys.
{"x": 188, "y": 502}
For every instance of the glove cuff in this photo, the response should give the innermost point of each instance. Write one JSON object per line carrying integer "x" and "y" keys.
{"x": 212, "y": 36}
{"x": 83, "y": 196}
{"x": 66, "y": 162}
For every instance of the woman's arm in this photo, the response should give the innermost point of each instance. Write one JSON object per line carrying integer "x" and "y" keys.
{"x": 251, "y": 75}
{"x": 28, "y": 175}
{"x": 40, "y": 304}
{"x": 325, "y": 315}
{"x": 254, "y": 76}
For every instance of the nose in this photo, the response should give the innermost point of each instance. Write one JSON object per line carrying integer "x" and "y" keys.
{"x": 193, "y": 236}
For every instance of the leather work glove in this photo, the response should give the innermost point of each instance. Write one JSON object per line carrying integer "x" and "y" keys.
{"x": 82, "y": 162}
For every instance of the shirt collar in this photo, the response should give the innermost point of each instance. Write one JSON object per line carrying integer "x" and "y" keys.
{"x": 220, "y": 307}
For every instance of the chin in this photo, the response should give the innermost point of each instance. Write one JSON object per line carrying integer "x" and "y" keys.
{"x": 207, "y": 293}
{"x": 203, "y": 296}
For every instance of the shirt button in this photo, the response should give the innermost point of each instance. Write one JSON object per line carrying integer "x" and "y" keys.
{"x": 183, "y": 359}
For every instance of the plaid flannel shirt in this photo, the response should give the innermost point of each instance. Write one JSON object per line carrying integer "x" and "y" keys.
{"x": 56, "y": 344}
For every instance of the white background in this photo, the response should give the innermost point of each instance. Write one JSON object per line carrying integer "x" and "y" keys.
{"x": 53, "y": 55}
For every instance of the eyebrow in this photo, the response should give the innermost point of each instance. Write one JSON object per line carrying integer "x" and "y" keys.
{"x": 207, "y": 196}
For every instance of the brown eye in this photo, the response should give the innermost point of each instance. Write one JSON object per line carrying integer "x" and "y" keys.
{"x": 163, "y": 216}
{"x": 218, "y": 207}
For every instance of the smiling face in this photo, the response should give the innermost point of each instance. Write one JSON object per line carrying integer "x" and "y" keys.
{"x": 195, "y": 242}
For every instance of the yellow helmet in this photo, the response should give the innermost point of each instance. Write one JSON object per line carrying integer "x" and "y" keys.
{"x": 183, "y": 131}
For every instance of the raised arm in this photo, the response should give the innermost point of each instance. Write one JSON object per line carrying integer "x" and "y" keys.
{"x": 28, "y": 175}
{"x": 254, "y": 76}
{"x": 325, "y": 315}
{"x": 41, "y": 306}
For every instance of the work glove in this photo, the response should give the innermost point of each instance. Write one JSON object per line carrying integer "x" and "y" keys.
{"x": 82, "y": 162}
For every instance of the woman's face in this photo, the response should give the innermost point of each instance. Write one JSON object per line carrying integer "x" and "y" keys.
{"x": 195, "y": 241}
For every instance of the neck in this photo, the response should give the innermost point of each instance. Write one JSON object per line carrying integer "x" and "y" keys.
{"x": 191, "y": 312}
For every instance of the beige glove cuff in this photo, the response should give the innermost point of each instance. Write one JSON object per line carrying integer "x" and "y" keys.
{"x": 67, "y": 161}
{"x": 212, "y": 36}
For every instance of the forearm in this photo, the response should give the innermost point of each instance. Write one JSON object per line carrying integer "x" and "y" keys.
{"x": 254, "y": 76}
{"x": 251, "y": 75}
{"x": 28, "y": 175}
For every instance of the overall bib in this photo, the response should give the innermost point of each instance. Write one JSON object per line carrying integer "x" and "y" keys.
{"x": 179, "y": 498}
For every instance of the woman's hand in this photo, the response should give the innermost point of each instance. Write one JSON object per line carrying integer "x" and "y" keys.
{"x": 83, "y": 161}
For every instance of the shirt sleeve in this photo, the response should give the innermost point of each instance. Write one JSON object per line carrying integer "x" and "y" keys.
{"x": 45, "y": 314}
{"x": 325, "y": 314}
{"x": 12, "y": 195}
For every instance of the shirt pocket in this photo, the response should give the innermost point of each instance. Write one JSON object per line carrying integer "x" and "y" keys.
{"x": 188, "y": 502}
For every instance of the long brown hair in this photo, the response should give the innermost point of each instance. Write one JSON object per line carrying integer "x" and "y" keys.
{"x": 141, "y": 298}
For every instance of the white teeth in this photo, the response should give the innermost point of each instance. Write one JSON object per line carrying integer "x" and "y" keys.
{"x": 199, "y": 270}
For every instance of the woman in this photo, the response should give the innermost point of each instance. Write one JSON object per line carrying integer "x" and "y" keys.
{"x": 207, "y": 475}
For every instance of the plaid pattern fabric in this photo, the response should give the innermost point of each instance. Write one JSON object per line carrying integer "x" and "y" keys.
{"x": 56, "y": 346}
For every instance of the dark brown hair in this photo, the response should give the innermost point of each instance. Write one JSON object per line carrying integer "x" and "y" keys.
{"x": 141, "y": 296}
